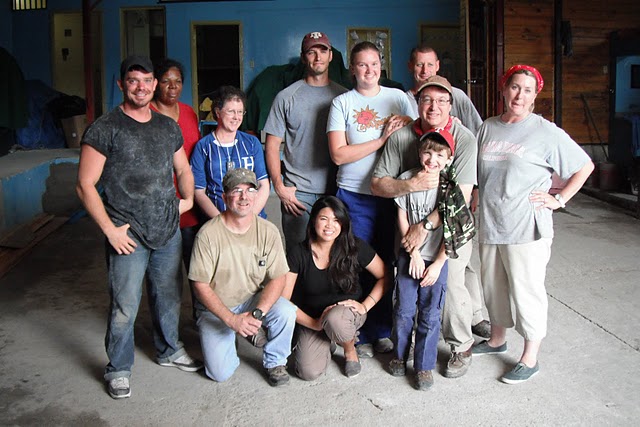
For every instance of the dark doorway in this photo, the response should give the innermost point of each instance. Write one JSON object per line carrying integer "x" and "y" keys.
{"x": 217, "y": 58}
{"x": 485, "y": 54}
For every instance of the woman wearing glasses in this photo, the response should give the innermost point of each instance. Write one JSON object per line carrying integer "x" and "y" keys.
{"x": 224, "y": 149}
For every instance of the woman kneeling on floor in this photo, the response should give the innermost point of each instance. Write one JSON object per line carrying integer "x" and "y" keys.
{"x": 324, "y": 282}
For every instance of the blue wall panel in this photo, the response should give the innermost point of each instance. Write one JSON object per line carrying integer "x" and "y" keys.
{"x": 22, "y": 193}
{"x": 271, "y": 31}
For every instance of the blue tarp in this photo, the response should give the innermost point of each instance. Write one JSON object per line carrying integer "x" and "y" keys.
{"x": 41, "y": 130}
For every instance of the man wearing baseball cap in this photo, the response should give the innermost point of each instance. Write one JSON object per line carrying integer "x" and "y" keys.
{"x": 434, "y": 109}
{"x": 238, "y": 269}
{"x": 424, "y": 63}
{"x": 134, "y": 153}
{"x": 298, "y": 117}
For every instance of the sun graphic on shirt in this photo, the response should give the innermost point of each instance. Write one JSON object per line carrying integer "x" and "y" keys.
{"x": 366, "y": 118}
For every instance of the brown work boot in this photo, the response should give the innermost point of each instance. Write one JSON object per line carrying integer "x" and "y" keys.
{"x": 424, "y": 380}
{"x": 458, "y": 364}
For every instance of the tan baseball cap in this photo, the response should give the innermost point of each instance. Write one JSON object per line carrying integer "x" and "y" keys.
{"x": 438, "y": 81}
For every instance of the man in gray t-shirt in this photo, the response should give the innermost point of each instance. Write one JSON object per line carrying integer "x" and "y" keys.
{"x": 423, "y": 64}
{"x": 400, "y": 154}
{"x": 134, "y": 152}
{"x": 298, "y": 117}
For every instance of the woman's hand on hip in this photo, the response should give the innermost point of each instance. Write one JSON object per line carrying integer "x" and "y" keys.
{"x": 542, "y": 199}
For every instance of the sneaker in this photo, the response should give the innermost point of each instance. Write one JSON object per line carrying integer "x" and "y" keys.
{"x": 258, "y": 340}
{"x": 119, "y": 388}
{"x": 351, "y": 368}
{"x": 364, "y": 350}
{"x": 398, "y": 368}
{"x": 482, "y": 329}
{"x": 424, "y": 380}
{"x": 278, "y": 375}
{"x": 383, "y": 345}
{"x": 458, "y": 364}
{"x": 484, "y": 348}
{"x": 520, "y": 373}
{"x": 184, "y": 363}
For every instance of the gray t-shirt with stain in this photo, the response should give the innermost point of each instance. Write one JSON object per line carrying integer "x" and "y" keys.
{"x": 138, "y": 173}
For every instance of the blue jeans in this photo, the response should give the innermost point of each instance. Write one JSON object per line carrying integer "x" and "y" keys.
{"x": 219, "y": 341}
{"x": 373, "y": 220}
{"x": 429, "y": 300}
{"x": 295, "y": 227}
{"x": 162, "y": 269}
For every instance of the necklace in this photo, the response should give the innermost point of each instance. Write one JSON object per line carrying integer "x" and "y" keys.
{"x": 230, "y": 163}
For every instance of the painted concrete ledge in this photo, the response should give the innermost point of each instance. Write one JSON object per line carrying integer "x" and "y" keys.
{"x": 25, "y": 180}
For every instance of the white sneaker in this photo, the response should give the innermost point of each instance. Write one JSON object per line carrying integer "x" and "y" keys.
{"x": 119, "y": 388}
{"x": 184, "y": 363}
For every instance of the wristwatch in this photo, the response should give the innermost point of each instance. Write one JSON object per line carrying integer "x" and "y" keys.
{"x": 428, "y": 225}
{"x": 257, "y": 314}
{"x": 560, "y": 200}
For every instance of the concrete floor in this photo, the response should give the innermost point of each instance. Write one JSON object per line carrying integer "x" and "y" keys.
{"x": 54, "y": 306}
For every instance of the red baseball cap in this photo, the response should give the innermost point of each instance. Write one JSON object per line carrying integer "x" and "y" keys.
{"x": 315, "y": 38}
{"x": 442, "y": 136}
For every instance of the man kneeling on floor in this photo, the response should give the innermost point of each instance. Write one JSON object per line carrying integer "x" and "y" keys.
{"x": 238, "y": 268}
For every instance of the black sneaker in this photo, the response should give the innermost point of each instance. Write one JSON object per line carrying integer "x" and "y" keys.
{"x": 119, "y": 388}
{"x": 277, "y": 376}
{"x": 482, "y": 329}
{"x": 184, "y": 363}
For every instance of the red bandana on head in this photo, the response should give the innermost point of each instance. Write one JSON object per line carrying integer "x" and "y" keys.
{"x": 505, "y": 78}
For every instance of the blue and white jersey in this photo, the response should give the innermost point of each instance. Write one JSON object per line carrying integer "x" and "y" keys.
{"x": 210, "y": 162}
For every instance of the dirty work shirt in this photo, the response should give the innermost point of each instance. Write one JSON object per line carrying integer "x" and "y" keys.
{"x": 401, "y": 153}
{"x": 515, "y": 159}
{"x": 237, "y": 266}
{"x": 313, "y": 291}
{"x": 417, "y": 206}
{"x": 299, "y": 116}
{"x": 210, "y": 159}
{"x": 363, "y": 118}
{"x": 138, "y": 173}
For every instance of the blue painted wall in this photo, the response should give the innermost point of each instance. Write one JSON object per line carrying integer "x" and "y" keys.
{"x": 271, "y": 31}
{"x": 627, "y": 99}
{"x": 22, "y": 193}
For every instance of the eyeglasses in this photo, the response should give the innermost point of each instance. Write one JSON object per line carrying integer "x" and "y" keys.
{"x": 234, "y": 112}
{"x": 426, "y": 100}
{"x": 237, "y": 192}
